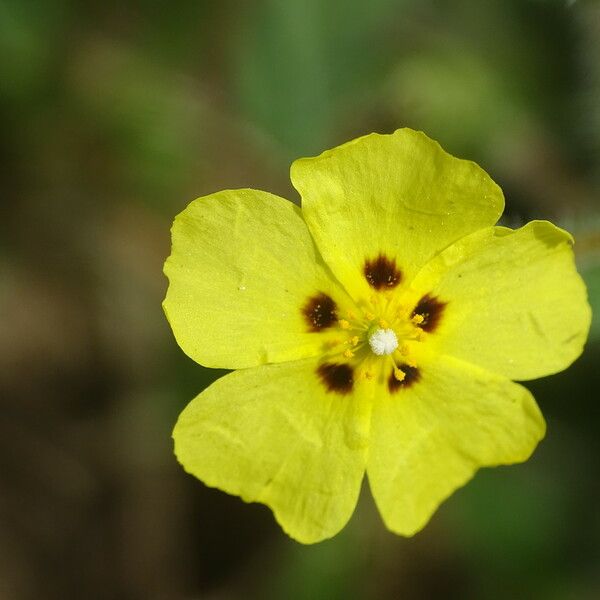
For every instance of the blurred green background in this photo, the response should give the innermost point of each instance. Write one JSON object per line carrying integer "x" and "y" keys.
{"x": 113, "y": 116}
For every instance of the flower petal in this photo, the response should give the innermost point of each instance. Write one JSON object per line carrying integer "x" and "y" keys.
{"x": 399, "y": 196}
{"x": 274, "y": 434}
{"x": 430, "y": 438}
{"x": 243, "y": 266}
{"x": 514, "y": 302}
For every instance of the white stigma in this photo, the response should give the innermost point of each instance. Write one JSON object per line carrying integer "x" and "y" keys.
{"x": 383, "y": 341}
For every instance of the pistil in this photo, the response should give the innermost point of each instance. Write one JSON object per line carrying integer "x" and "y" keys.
{"x": 383, "y": 341}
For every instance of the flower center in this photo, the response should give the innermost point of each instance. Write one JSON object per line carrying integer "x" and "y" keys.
{"x": 383, "y": 341}
{"x": 377, "y": 339}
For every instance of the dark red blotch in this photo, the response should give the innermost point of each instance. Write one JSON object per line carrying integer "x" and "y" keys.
{"x": 320, "y": 312}
{"x": 338, "y": 378}
{"x": 411, "y": 376}
{"x": 431, "y": 309}
{"x": 382, "y": 273}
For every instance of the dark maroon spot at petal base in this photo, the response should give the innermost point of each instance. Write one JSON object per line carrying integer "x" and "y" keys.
{"x": 336, "y": 378}
{"x": 411, "y": 376}
{"x": 382, "y": 272}
{"x": 431, "y": 309}
{"x": 320, "y": 312}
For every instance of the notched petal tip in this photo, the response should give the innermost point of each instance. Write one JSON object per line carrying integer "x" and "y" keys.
{"x": 550, "y": 234}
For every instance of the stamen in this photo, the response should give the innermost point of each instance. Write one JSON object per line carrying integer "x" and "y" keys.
{"x": 399, "y": 374}
{"x": 418, "y": 319}
{"x": 344, "y": 324}
{"x": 348, "y": 353}
{"x": 406, "y": 359}
{"x": 383, "y": 341}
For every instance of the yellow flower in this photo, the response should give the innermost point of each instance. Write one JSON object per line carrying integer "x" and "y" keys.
{"x": 376, "y": 330}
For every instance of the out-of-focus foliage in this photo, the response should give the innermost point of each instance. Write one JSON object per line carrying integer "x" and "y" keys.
{"x": 113, "y": 117}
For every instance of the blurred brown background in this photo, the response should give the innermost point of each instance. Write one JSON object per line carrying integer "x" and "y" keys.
{"x": 112, "y": 118}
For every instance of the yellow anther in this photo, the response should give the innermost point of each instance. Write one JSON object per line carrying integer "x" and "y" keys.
{"x": 383, "y": 324}
{"x": 344, "y": 324}
{"x": 404, "y": 350}
{"x": 399, "y": 374}
{"x": 348, "y": 353}
{"x": 420, "y": 335}
{"x": 351, "y": 315}
{"x": 418, "y": 319}
{"x": 354, "y": 340}
{"x": 411, "y": 362}
{"x": 369, "y": 316}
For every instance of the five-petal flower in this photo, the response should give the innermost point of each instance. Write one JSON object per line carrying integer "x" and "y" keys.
{"x": 376, "y": 329}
